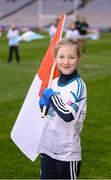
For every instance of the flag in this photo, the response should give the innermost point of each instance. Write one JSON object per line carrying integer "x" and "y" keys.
{"x": 29, "y": 125}
{"x": 30, "y": 35}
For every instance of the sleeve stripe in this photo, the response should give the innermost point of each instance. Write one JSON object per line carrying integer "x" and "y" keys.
{"x": 56, "y": 102}
{"x": 59, "y": 102}
{"x": 80, "y": 88}
{"x": 60, "y": 108}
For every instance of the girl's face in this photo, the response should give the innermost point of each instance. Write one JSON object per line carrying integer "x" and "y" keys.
{"x": 67, "y": 59}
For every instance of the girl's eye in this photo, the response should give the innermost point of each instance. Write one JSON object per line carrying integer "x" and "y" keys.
{"x": 71, "y": 57}
{"x": 61, "y": 57}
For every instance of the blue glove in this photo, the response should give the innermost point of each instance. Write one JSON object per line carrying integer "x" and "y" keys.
{"x": 43, "y": 102}
{"x": 47, "y": 93}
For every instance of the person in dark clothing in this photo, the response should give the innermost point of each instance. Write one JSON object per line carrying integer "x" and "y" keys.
{"x": 77, "y": 22}
{"x": 82, "y": 26}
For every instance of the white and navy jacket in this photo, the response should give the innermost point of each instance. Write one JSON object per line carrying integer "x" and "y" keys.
{"x": 61, "y": 136}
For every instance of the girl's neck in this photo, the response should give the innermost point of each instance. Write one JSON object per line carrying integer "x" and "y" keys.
{"x": 64, "y": 79}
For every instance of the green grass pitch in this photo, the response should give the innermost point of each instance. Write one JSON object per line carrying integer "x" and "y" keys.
{"x": 15, "y": 80}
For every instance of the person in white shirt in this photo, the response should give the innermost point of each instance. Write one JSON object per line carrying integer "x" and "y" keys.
{"x": 72, "y": 32}
{"x": 13, "y": 36}
{"x": 66, "y": 99}
{"x": 52, "y": 29}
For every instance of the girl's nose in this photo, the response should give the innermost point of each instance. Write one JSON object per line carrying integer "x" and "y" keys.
{"x": 66, "y": 60}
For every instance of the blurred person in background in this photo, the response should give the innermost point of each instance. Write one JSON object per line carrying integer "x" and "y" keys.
{"x": 13, "y": 36}
{"x": 53, "y": 28}
{"x": 72, "y": 32}
{"x": 77, "y": 22}
{"x": 82, "y": 26}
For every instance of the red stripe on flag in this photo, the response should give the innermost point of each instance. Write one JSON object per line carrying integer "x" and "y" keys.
{"x": 47, "y": 62}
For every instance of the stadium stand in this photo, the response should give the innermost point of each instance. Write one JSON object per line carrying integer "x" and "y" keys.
{"x": 98, "y": 13}
{"x": 26, "y": 12}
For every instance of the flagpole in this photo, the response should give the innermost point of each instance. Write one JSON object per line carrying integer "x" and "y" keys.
{"x": 52, "y": 73}
{"x": 50, "y": 80}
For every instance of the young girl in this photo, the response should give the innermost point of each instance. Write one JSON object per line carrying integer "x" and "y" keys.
{"x": 60, "y": 146}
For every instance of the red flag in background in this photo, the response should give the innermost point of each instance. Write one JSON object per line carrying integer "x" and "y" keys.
{"x": 48, "y": 61}
{"x": 29, "y": 125}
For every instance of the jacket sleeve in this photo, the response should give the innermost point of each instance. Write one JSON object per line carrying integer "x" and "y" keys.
{"x": 74, "y": 107}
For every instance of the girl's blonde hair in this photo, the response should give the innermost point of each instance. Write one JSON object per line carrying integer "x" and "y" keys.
{"x": 71, "y": 42}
